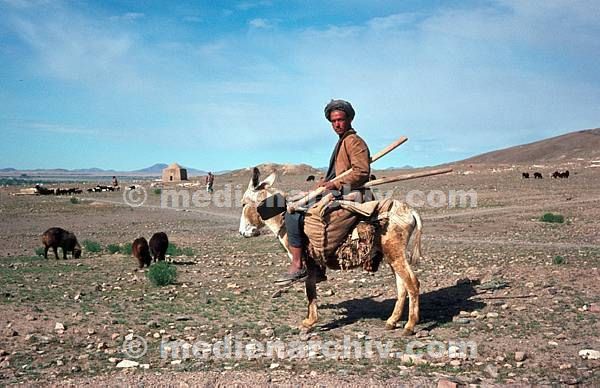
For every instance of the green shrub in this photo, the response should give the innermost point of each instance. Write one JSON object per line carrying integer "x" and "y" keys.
{"x": 187, "y": 251}
{"x": 554, "y": 218}
{"x": 113, "y": 248}
{"x": 162, "y": 274}
{"x": 174, "y": 250}
{"x": 126, "y": 249}
{"x": 157, "y": 191}
{"x": 74, "y": 200}
{"x": 92, "y": 246}
{"x": 39, "y": 251}
{"x": 559, "y": 260}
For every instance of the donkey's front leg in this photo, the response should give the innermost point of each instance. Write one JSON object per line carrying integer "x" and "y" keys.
{"x": 311, "y": 295}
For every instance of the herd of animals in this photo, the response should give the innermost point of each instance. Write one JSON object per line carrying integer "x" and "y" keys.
{"x": 41, "y": 190}
{"x": 141, "y": 249}
{"x": 555, "y": 175}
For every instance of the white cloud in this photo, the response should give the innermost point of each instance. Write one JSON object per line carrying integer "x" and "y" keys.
{"x": 260, "y": 23}
{"x": 246, "y": 5}
{"x": 129, "y": 16}
{"x": 59, "y": 129}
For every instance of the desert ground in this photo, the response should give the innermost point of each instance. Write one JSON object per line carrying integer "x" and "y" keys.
{"x": 523, "y": 293}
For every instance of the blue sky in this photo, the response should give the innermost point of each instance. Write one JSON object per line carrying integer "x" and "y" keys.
{"x": 228, "y": 84}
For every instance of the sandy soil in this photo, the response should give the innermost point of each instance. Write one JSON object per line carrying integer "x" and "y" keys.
{"x": 493, "y": 275}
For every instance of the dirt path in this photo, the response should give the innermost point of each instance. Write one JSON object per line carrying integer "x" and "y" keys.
{"x": 497, "y": 241}
{"x": 512, "y": 208}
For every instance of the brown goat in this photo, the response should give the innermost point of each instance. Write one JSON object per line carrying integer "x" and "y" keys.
{"x": 158, "y": 245}
{"x": 58, "y": 237}
{"x": 140, "y": 250}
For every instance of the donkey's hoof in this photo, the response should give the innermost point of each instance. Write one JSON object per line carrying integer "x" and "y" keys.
{"x": 389, "y": 326}
{"x": 308, "y": 323}
{"x": 407, "y": 332}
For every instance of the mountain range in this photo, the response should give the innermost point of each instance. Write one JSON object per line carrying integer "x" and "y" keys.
{"x": 583, "y": 145}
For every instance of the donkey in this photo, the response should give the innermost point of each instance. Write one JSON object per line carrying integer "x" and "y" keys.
{"x": 391, "y": 242}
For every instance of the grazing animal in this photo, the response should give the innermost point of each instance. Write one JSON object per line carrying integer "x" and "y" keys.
{"x": 390, "y": 241}
{"x": 159, "y": 242}
{"x": 310, "y": 178}
{"x": 537, "y": 175}
{"x": 58, "y": 237}
{"x": 525, "y": 175}
{"x": 560, "y": 174}
{"x": 372, "y": 177}
{"x": 41, "y": 190}
{"x": 141, "y": 251}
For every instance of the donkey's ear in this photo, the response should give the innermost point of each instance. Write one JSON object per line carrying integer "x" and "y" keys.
{"x": 255, "y": 179}
{"x": 268, "y": 181}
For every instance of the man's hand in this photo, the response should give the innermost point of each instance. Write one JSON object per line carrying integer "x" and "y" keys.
{"x": 328, "y": 185}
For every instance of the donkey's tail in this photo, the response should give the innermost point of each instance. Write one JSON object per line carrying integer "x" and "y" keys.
{"x": 416, "y": 240}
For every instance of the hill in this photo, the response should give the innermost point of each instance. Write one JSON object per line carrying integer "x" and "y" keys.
{"x": 581, "y": 145}
{"x": 282, "y": 169}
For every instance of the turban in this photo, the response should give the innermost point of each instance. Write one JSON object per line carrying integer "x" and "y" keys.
{"x": 342, "y": 105}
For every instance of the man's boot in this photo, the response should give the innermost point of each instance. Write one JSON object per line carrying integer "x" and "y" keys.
{"x": 296, "y": 270}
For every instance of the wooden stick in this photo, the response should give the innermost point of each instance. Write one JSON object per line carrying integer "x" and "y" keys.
{"x": 406, "y": 177}
{"x": 389, "y": 149}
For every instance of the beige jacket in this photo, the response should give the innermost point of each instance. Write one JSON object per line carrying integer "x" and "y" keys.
{"x": 353, "y": 154}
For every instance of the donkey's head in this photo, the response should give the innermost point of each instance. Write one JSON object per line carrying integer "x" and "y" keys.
{"x": 257, "y": 191}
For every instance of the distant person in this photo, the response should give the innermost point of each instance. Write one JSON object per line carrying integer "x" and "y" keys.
{"x": 115, "y": 184}
{"x": 210, "y": 179}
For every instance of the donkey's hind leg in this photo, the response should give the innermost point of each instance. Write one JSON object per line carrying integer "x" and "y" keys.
{"x": 410, "y": 283}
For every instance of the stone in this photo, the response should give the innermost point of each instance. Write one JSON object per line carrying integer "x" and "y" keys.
{"x": 491, "y": 370}
{"x": 267, "y": 332}
{"x": 127, "y": 364}
{"x": 589, "y": 354}
{"x": 492, "y": 315}
{"x": 443, "y": 383}
{"x": 59, "y": 327}
{"x": 520, "y": 356}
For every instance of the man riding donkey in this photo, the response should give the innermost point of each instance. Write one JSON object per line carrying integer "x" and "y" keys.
{"x": 350, "y": 153}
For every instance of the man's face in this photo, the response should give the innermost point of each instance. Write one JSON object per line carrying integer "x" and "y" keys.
{"x": 339, "y": 122}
